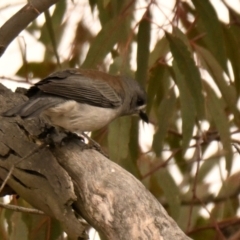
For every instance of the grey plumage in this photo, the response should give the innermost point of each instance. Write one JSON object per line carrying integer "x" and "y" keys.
{"x": 34, "y": 107}
{"x": 82, "y": 100}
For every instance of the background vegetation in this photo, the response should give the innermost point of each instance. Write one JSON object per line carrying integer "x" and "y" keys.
{"x": 189, "y": 65}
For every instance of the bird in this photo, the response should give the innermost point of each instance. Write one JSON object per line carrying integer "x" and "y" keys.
{"x": 82, "y": 100}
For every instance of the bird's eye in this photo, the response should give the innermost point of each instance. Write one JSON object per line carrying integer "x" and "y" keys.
{"x": 140, "y": 102}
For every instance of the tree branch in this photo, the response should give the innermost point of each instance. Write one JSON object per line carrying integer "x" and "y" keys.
{"x": 20, "y": 20}
{"x": 73, "y": 180}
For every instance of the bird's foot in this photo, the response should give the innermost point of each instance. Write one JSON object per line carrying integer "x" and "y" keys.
{"x": 95, "y": 145}
{"x": 52, "y": 136}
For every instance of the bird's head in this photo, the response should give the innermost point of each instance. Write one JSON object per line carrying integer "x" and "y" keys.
{"x": 137, "y": 99}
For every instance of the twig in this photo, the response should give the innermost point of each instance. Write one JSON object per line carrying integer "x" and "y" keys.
{"x": 21, "y": 209}
{"x": 196, "y": 197}
{"x": 14, "y": 79}
{"x": 215, "y": 223}
{"x": 206, "y": 200}
{"x": 162, "y": 164}
{"x": 7, "y": 177}
{"x": 194, "y": 188}
{"x": 222, "y": 224}
{"x": 23, "y": 50}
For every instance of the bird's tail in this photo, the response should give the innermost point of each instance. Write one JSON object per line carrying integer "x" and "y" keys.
{"x": 33, "y": 107}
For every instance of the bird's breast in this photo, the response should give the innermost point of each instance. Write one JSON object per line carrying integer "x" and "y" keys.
{"x": 78, "y": 117}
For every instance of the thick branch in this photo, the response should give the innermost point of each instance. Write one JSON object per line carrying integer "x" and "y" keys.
{"x": 74, "y": 180}
{"x": 20, "y": 20}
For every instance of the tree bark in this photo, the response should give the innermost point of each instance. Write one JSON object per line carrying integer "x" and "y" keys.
{"x": 71, "y": 179}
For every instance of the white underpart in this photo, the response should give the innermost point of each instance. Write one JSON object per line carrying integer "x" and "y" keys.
{"x": 78, "y": 117}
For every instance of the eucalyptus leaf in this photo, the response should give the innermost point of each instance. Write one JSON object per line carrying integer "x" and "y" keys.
{"x": 118, "y": 138}
{"x": 188, "y": 109}
{"x": 159, "y": 51}
{"x": 143, "y": 40}
{"x": 165, "y": 112}
{"x": 178, "y": 33}
{"x": 212, "y": 29}
{"x": 189, "y": 70}
{"x": 231, "y": 35}
{"x": 219, "y": 117}
{"x": 171, "y": 191}
{"x": 216, "y": 71}
{"x": 103, "y": 43}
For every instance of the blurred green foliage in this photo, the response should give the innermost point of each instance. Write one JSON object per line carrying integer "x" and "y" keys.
{"x": 190, "y": 68}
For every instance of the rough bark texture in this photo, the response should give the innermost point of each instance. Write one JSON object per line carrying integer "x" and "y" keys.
{"x": 73, "y": 180}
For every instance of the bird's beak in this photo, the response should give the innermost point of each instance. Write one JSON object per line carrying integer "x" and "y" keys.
{"x": 143, "y": 116}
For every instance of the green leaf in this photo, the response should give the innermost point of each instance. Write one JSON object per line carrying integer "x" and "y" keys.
{"x": 57, "y": 17}
{"x": 51, "y": 34}
{"x": 160, "y": 50}
{"x": 187, "y": 107}
{"x": 166, "y": 110}
{"x": 229, "y": 208}
{"x": 158, "y": 85}
{"x": 178, "y": 33}
{"x": 56, "y": 229}
{"x": 6, "y": 218}
{"x": 134, "y": 143}
{"x": 116, "y": 65}
{"x": 174, "y": 142}
{"x": 118, "y": 138}
{"x": 216, "y": 109}
{"x": 123, "y": 8}
{"x": 105, "y": 3}
{"x": 19, "y": 229}
{"x": 183, "y": 223}
{"x": 190, "y": 72}
{"x": 143, "y": 41}
{"x": 171, "y": 191}
{"x": 227, "y": 91}
{"x": 56, "y": 22}
{"x": 92, "y": 4}
{"x": 105, "y": 15}
{"x": 212, "y": 27}
{"x": 231, "y": 36}
{"x": 37, "y": 69}
{"x": 103, "y": 43}
{"x": 206, "y": 167}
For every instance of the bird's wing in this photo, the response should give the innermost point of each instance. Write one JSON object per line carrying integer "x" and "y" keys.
{"x": 75, "y": 85}
{"x": 34, "y": 106}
